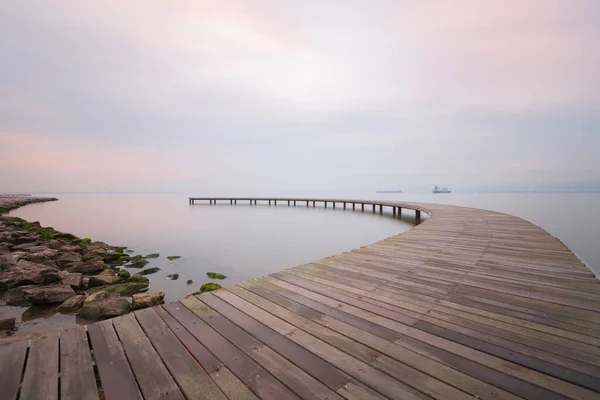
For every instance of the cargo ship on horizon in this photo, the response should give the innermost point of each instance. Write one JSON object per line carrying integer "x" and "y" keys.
{"x": 439, "y": 189}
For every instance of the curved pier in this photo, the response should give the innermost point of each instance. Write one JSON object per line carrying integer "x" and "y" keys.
{"x": 468, "y": 304}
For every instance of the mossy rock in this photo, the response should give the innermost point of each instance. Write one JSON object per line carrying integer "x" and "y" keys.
{"x": 208, "y": 287}
{"x": 149, "y": 271}
{"x": 85, "y": 241}
{"x": 124, "y": 274}
{"x": 152, "y": 255}
{"x": 138, "y": 264}
{"x": 64, "y": 236}
{"x": 216, "y": 275}
{"x": 119, "y": 258}
{"x": 171, "y": 258}
{"x": 137, "y": 257}
{"x": 137, "y": 278}
{"x": 124, "y": 289}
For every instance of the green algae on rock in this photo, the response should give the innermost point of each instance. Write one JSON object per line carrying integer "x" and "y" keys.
{"x": 171, "y": 258}
{"x": 216, "y": 275}
{"x": 208, "y": 287}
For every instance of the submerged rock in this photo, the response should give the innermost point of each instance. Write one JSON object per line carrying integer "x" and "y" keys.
{"x": 72, "y": 304}
{"x": 138, "y": 264}
{"x": 173, "y": 277}
{"x": 189, "y": 282}
{"x": 103, "y": 305}
{"x": 16, "y": 297}
{"x": 8, "y": 324}
{"x": 144, "y": 300}
{"x": 48, "y": 294}
{"x": 149, "y": 271}
{"x": 124, "y": 274}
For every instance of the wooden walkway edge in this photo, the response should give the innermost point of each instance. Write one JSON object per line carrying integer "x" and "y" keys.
{"x": 469, "y": 304}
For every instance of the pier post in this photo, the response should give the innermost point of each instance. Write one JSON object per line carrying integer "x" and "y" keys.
{"x": 288, "y": 203}
{"x": 269, "y": 202}
{"x": 418, "y": 216}
{"x": 380, "y": 209}
{"x": 313, "y": 204}
{"x": 399, "y": 212}
{"x": 344, "y": 205}
{"x": 230, "y": 201}
{"x": 275, "y": 201}
{"x": 394, "y": 211}
{"x": 325, "y": 204}
{"x": 294, "y": 203}
{"x": 235, "y": 202}
{"x": 373, "y": 207}
{"x": 353, "y": 206}
{"x": 307, "y": 203}
{"x": 334, "y": 205}
{"x": 362, "y": 206}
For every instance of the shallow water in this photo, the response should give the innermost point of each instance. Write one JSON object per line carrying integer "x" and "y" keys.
{"x": 245, "y": 242}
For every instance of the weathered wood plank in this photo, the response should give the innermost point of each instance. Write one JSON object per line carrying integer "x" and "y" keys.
{"x": 41, "y": 372}
{"x": 12, "y": 358}
{"x": 153, "y": 377}
{"x": 189, "y": 375}
{"x": 77, "y": 379}
{"x": 116, "y": 377}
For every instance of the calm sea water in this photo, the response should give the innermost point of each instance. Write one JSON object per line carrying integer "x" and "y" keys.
{"x": 245, "y": 242}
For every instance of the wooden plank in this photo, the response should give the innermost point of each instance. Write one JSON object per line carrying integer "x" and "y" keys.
{"x": 116, "y": 377}
{"x": 77, "y": 379}
{"x": 11, "y": 368}
{"x": 262, "y": 383}
{"x": 221, "y": 375}
{"x": 193, "y": 381}
{"x": 315, "y": 366}
{"x": 295, "y": 378}
{"x": 41, "y": 372}
{"x": 154, "y": 379}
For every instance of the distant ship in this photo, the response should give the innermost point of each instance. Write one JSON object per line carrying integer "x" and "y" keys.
{"x": 388, "y": 191}
{"x": 439, "y": 189}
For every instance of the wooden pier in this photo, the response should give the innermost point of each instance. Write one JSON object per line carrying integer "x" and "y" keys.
{"x": 468, "y": 304}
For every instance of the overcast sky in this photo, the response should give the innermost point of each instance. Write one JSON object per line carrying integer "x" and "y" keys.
{"x": 209, "y": 97}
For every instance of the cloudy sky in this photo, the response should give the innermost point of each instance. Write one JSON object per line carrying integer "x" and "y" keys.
{"x": 274, "y": 95}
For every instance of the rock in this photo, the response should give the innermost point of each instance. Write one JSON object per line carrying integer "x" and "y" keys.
{"x": 93, "y": 251}
{"x": 40, "y": 258}
{"x": 67, "y": 260}
{"x": 144, "y": 300}
{"x": 107, "y": 272}
{"x": 137, "y": 278}
{"x": 71, "y": 248}
{"x": 38, "y": 311}
{"x": 124, "y": 274}
{"x": 8, "y": 324}
{"x": 27, "y": 273}
{"x": 189, "y": 282}
{"x": 56, "y": 244}
{"x": 173, "y": 277}
{"x": 138, "y": 264}
{"x": 15, "y": 296}
{"x": 73, "y": 279}
{"x": 7, "y": 261}
{"x": 24, "y": 246}
{"x": 102, "y": 305}
{"x": 149, "y": 271}
{"x": 48, "y": 294}
{"x": 102, "y": 280}
{"x": 90, "y": 267}
{"x": 116, "y": 258}
{"x": 72, "y": 304}
{"x": 123, "y": 289}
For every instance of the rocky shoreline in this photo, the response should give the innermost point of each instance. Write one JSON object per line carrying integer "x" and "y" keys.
{"x": 42, "y": 267}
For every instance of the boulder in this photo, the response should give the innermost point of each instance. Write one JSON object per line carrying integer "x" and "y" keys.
{"x": 123, "y": 289}
{"x": 107, "y": 272}
{"x": 143, "y": 300}
{"x": 173, "y": 277}
{"x": 67, "y": 260}
{"x": 7, "y": 324}
{"x": 15, "y": 296}
{"x": 102, "y": 280}
{"x": 73, "y": 279}
{"x": 48, "y": 294}
{"x": 138, "y": 264}
{"x": 56, "y": 244}
{"x": 111, "y": 258}
{"x": 28, "y": 273}
{"x": 90, "y": 267}
{"x": 71, "y": 248}
{"x": 7, "y": 261}
{"x": 24, "y": 246}
{"x": 149, "y": 271}
{"x": 103, "y": 305}
{"x": 93, "y": 251}
{"x": 72, "y": 304}
{"x": 137, "y": 278}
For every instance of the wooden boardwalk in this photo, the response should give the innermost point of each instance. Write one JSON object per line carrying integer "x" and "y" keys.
{"x": 468, "y": 304}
